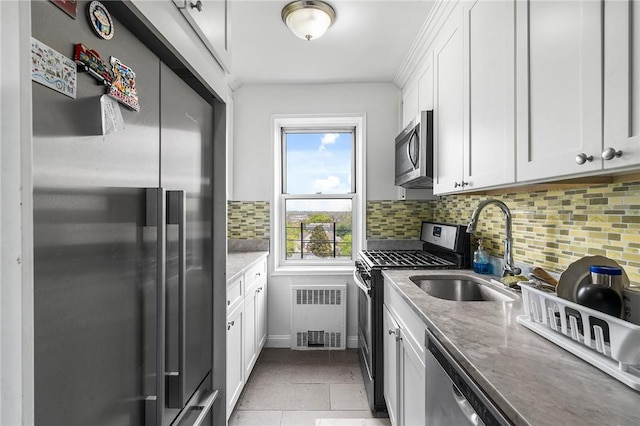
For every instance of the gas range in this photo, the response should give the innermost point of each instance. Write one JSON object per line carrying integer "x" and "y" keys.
{"x": 444, "y": 247}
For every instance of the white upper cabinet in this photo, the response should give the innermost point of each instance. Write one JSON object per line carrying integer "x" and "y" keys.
{"x": 559, "y": 88}
{"x": 622, "y": 82}
{"x": 471, "y": 88}
{"x": 425, "y": 85}
{"x": 210, "y": 20}
{"x": 489, "y": 94}
{"x": 409, "y": 104}
{"x": 448, "y": 115}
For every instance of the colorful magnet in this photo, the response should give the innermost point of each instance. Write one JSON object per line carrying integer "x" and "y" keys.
{"x": 52, "y": 69}
{"x": 100, "y": 19}
{"x": 123, "y": 87}
{"x": 68, "y": 6}
{"x": 90, "y": 61}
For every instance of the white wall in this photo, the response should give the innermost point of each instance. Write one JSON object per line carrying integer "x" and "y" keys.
{"x": 253, "y": 157}
{"x": 253, "y": 166}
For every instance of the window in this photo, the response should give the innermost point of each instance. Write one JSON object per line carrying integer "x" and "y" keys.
{"x": 318, "y": 191}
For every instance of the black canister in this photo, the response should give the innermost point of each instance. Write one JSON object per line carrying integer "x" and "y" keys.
{"x": 601, "y": 294}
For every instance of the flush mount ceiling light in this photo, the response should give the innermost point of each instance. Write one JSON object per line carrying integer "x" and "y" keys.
{"x": 308, "y": 19}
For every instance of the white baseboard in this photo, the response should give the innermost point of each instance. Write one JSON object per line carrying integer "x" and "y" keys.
{"x": 278, "y": 341}
{"x": 284, "y": 341}
{"x": 352, "y": 342}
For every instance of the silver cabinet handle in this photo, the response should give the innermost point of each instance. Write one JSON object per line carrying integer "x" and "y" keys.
{"x": 230, "y": 324}
{"x": 396, "y": 332}
{"x": 462, "y": 184}
{"x": 610, "y": 154}
{"x": 456, "y": 184}
{"x": 176, "y": 215}
{"x": 196, "y": 5}
{"x": 583, "y": 158}
{"x": 228, "y": 302}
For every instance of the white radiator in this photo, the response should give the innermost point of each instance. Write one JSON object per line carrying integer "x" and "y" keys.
{"x": 319, "y": 317}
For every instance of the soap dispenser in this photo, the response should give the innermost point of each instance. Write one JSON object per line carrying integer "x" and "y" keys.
{"x": 481, "y": 263}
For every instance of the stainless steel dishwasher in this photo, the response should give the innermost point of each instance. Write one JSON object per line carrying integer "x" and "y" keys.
{"x": 452, "y": 397}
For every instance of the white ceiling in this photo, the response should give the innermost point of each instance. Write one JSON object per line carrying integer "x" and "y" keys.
{"x": 367, "y": 43}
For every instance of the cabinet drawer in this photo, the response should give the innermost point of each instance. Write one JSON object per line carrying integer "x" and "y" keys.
{"x": 234, "y": 293}
{"x": 255, "y": 275}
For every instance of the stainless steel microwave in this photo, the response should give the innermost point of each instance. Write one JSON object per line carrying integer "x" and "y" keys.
{"x": 414, "y": 153}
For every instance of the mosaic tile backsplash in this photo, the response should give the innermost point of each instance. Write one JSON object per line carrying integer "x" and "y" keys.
{"x": 248, "y": 220}
{"x": 554, "y": 228}
{"x": 396, "y": 220}
{"x": 551, "y": 228}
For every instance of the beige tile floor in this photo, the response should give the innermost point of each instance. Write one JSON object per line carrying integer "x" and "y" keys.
{"x": 299, "y": 388}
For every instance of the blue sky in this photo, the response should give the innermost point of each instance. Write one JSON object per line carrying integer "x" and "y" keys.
{"x": 319, "y": 163}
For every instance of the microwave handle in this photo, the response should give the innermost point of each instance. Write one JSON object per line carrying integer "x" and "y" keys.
{"x": 412, "y": 140}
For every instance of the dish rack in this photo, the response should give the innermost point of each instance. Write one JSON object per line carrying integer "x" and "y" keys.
{"x": 608, "y": 343}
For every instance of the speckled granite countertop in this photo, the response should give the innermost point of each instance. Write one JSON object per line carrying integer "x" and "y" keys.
{"x": 532, "y": 380}
{"x": 238, "y": 261}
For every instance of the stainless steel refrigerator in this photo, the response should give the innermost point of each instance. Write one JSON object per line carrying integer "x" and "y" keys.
{"x": 123, "y": 243}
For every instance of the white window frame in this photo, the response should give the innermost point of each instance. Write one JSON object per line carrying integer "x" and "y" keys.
{"x": 280, "y": 123}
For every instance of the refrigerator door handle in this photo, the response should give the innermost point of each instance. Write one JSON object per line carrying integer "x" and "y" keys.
{"x": 156, "y": 217}
{"x": 205, "y": 408}
{"x": 176, "y": 215}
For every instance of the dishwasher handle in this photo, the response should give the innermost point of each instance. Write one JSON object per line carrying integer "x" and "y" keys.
{"x": 466, "y": 407}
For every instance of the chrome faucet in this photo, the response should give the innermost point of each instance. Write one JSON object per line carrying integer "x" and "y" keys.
{"x": 509, "y": 268}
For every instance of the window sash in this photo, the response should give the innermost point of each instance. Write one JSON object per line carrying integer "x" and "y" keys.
{"x": 316, "y": 261}
{"x": 318, "y": 130}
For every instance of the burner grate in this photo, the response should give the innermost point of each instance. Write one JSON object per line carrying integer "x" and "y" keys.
{"x": 404, "y": 258}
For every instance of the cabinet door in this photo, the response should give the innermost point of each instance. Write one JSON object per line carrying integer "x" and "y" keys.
{"x": 210, "y": 20}
{"x": 622, "y": 81}
{"x": 412, "y": 384}
{"x": 235, "y": 366}
{"x": 425, "y": 85}
{"x": 559, "y": 86}
{"x": 409, "y": 103}
{"x": 261, "y": 316}
{"x": 391, "y": 330}
{"x": 250, "y": 349}
{"x": 489, "y": 93}
{"x": 448, "y": 105}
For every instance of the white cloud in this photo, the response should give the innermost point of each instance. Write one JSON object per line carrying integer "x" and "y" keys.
{"x": 328, "y": 139}
{"x": 326, "y": 185}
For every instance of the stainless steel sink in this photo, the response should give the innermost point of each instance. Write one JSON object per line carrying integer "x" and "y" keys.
{"x": 461, "y": 288}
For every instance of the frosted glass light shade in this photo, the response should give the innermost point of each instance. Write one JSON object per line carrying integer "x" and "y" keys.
{"x": 308, "y": 19}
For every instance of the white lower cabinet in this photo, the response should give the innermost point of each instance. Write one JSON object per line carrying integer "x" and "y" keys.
{"x": 235, "y": 366}
{"x": 246, "y": 327}
{"x": 261, "y": 316}
{"x": 404, "y": 367}
{"x": 412, "y": 386}
{"x": 391, "y": 344}
{"x": 250, "y": 348}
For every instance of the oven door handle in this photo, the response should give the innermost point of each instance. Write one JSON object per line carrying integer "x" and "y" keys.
{"x": 361, "y": 285}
